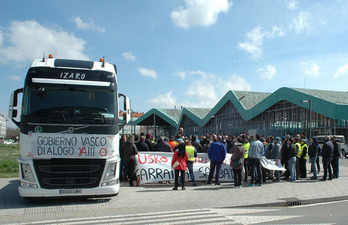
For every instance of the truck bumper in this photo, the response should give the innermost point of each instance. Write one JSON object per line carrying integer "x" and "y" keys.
{"x": 90, "y": 192}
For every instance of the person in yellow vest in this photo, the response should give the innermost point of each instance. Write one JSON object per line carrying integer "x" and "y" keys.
{"x": 303, "y": 158}
{"x": 298, "y": 156}
{"x": 192, "y": 154}
{"x": 246, "y": 145}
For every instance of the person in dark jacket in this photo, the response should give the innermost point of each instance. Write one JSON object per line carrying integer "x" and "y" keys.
{"x": 123, "y": 167}
{"x": 204, "y": 142}
{"x": 206, "y": 146}
{"x": 217, "y": 154}
{"x": 128, "y": 151}
{"x": 196, "y": 144}
{"x": 291, "y": 156}
{"x": 229, "y": 142}
{"x": 180, "y": 156}
{"x": 312, "y": 153}
{"x": 317, "y": 161}
{"x": 285, "y": 156}
{"x": 141, "y": 145}
{"x": 275, "y": 154}
{"x": 327, "y": 158}
{"x": 163, "y": 145}
{"x": 237, "y": 162}
{"x": 336, "y": 155}
{"x": 149, "y": 142}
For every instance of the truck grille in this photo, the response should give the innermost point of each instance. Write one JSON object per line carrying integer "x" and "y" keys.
{"x": 69, "y": 173}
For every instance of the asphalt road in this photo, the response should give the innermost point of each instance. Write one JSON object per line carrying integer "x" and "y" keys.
{"x": 323, "y": 213}
{"x": 159, "y": 204}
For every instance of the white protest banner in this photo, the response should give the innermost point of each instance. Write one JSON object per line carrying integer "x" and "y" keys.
{"x": 272, "y": 164}
{"x": 156, "y": 166}
{"x": 61, "y": 145}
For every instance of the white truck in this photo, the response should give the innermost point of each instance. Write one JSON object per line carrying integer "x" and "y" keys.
{"x": 69, "y": 129}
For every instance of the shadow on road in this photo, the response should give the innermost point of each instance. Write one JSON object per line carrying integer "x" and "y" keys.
{"x": 10, "y": 199}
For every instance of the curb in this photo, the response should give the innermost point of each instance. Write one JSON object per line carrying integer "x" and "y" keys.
{"x": 290, "y": 202}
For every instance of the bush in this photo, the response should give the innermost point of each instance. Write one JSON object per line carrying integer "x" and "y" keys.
{"x": 8, "y": 161}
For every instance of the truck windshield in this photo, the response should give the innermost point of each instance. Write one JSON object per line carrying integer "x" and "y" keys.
{"x": 67, "y": 103}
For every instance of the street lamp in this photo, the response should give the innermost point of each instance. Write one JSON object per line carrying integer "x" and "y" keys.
{"x": 283, "y": 119}
{"x": 310, "y": 116}
{"x": 213, "y": 117}
{"x": 132, "y": 112}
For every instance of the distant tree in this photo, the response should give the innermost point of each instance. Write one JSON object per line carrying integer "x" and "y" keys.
{"x": 12, "y": 133}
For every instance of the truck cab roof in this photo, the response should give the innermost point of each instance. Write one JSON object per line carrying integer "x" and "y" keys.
{"x": 75, "y": 64}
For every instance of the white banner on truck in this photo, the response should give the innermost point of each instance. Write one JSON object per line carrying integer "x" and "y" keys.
{"x": 46, "y": 146}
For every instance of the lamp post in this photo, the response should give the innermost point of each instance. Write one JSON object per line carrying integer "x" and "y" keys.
{"x": 154, "y": 125}
{"x": 132, "y": 126}
{"x": 283, "y": 119}
{"x": 213, "y": 117}
{"x": 310, "y": 116}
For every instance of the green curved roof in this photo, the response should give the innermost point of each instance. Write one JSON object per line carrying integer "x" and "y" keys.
{"x": 170, "y": 116}
{"x": 332, "y": 104}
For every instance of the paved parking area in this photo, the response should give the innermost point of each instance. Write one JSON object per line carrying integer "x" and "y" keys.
{"x": 161, "y": 197}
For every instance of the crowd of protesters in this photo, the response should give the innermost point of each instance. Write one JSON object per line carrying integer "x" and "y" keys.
{"x": 247, "y": 151}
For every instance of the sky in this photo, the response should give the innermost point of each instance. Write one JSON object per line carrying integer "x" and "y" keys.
{"x": 182, "y": 53}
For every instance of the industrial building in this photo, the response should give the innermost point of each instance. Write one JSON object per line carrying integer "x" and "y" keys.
{"x": 3, "y": 122}
{"x": 286, "y": 111}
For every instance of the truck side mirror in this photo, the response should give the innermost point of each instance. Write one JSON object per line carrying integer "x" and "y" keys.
{"x": 126, "y": 108}
{"x": 13, "y": 110}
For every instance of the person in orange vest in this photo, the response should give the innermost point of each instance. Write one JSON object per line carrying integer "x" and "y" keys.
{"x": 172, "y": 143}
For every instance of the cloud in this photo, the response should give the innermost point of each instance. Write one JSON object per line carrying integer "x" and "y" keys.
{"x": 310, "y": 68}
{"x": 87, "y": 26}
{"x": 14, "y": 78}
{"x": 343, "y": 70}
{"x": 29, "y": 39}
{"x": 235, "y": 83}
{"x": 204, "y": 91}
{"x": 1, "y": 38}
{"x": 164, "y": 101}
{"x": 199, "y": 13}
{"x": 129, "y": 56}
{"x": 181, "y": 74}
{"x": 209, "y": 88}
{"x": 255, "y": 38}
{"x": 147, "y": 72}
{"x": 291, "y": 4}
{"x": 268, "y": 72}
{"x": 301, "y": 22}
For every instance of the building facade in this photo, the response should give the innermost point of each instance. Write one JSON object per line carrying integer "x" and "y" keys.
{"x": 3, "y": 122}
{"x": 286, "y": 111}
{"x": 131, "y": 127}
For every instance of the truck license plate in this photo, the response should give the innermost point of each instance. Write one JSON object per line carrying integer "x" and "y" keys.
{"x": 70, "y": 191}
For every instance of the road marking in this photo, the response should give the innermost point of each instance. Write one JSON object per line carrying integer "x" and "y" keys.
{"x": 206, "y": 216}
{"x": 259, "y": 219}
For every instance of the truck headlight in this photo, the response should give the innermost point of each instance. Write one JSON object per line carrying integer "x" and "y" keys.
{"x": 27, "y": 173}
{"x": 111, "y": 171}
